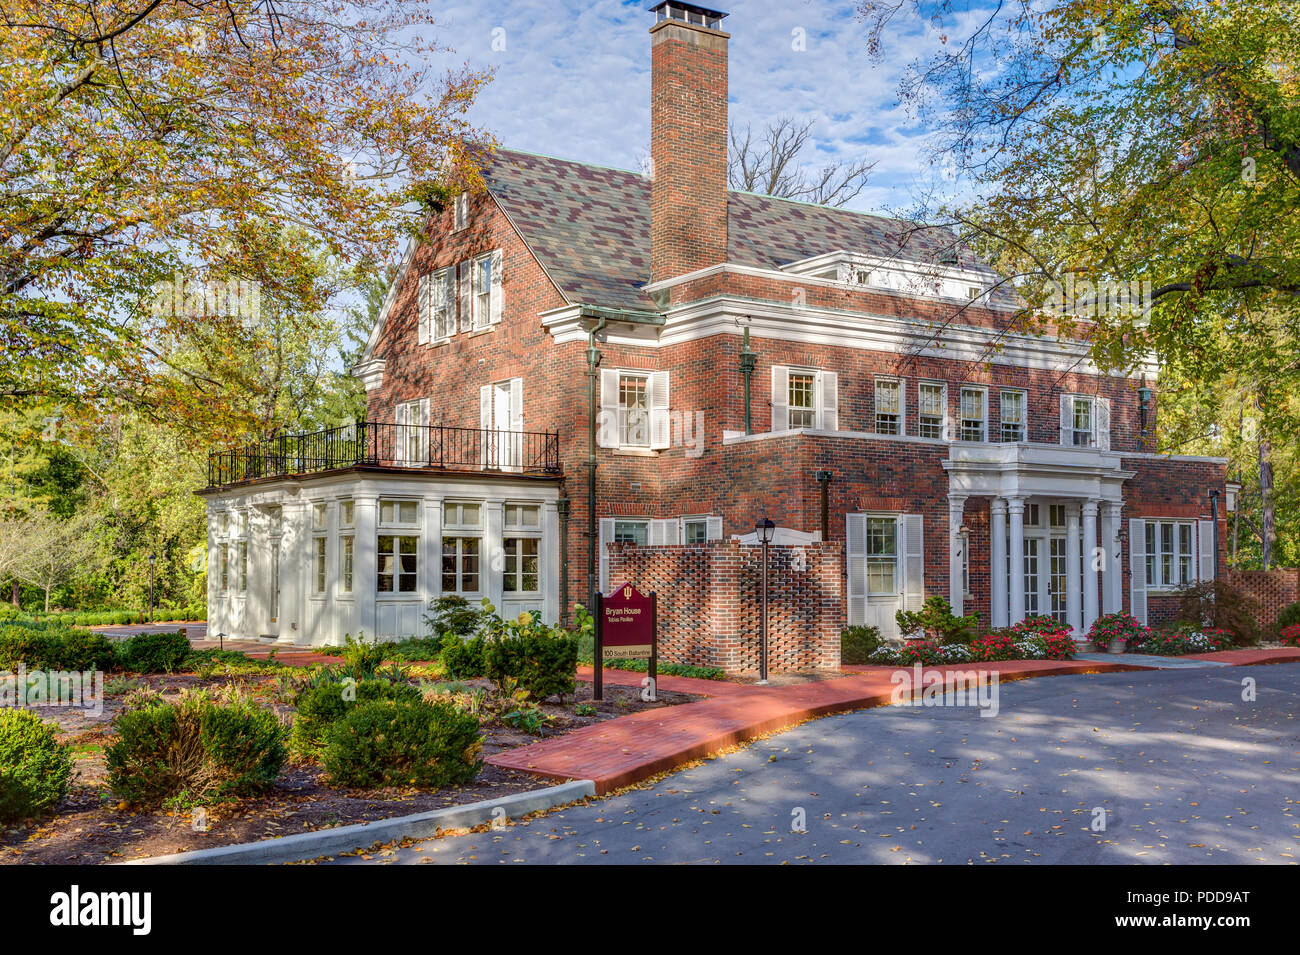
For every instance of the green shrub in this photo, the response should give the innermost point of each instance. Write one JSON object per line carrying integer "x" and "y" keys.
{"x": 154, "y": 652}
{"x": 463, "y": 659}
{"x": 1289, "y": 617}
{"x": 858, "y": 643}
{"x": 195, "y": 751}
{"x": 935, "y": 621}
{"x": 542, "y": 661}
{"x": 1217, "y": 605}
{"x": 362, "y": 658}
{"x": 320, "y": 706}
{"x": 403, "y": 744}
{"x": 35, "y": 768}
{"x": 452, "y": 614}
{"x": 84, "y": 650}
{"x": 587, "y": 654}
{"x": 31, "y": 647}
{"x": 8, "y": 613}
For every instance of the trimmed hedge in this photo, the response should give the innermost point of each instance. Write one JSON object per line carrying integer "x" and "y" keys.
{"x": 544, "y": 664}
{"x": 35, "y": 768}
{"x": 47, "y": 649}
{"x": 195, "y": 751}
{"x": 463, "y": 659}
{"x": 320, "y": 707}
{"x": 403, "y": 744}
{"x": 154, "y": 652}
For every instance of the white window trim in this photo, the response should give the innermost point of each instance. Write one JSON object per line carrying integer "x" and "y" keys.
{"x": 443, "y": 279}
{"x": 397, "y": 531}
{"x": 945, "y": 419}
{"x": 1164, "y": 587}
{"x": 658, "y": 405}
{"x": 460, "y": 212}
{"x": 826, "y": 401}
{"x": 961, "y": 417}
{"x": 1024, "y": 412}
{"x": 397, "y": 522}
{"x": 901, "y": 384}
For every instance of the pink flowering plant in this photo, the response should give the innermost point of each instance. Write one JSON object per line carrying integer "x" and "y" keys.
{"x": 1181, "y": 640}
{"x": 1117, "y": 627}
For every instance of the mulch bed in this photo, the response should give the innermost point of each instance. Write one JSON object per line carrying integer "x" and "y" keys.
{"x": 91, "y": 827}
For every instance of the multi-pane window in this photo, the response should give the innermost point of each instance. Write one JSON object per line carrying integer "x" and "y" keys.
{"x": 398, "y": 512}
{"x": 889, "y": 406}
{"x": 346, "y": 553}
{"x": 276, "y": 515}
{"x": 319, "y": 568}
{"x": 1169, "y": 554}
{"x": 224, "y": 563}
{"x": 1057, "y": 576}
{"x": 931, "y": 401}
{"x": 634, "y": 410}
{"x": 803, "y": 399}
{"x": 631, "y": 532}
{"x": 882, "y": 556}
{"x": 1031, "y": 574}
{"x": 973, "y": 414}
{"x": 318, "y": 516}
{"x": 243, "y": 567}
{"x": 460, "y": 565}
{"x": 223, "y": 522}
{"x": 1056, "y": 515}
{"x": 346, "y": 514}
{"x": 483, "y": 291}
{"x": 461, "y": 211}
{"x": 1081, "y": 421}
{"x": 520, "y": 573}
{"x": 695, "y": 531}
{"x": 442, "y": 305}
{"x": 522, "y": 516}
{"x": 461, "y": 514}
{"x": 398, "y": 564}
{"x": 1012, "y": 414}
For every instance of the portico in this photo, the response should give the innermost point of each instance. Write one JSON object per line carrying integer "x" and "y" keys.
{"x": 1054, "y": 530}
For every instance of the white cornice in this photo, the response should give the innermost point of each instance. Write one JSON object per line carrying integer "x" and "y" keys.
{"x": 370, "y": 372}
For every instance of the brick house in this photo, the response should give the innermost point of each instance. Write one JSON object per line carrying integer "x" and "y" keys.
{"x": 735, "y": 357}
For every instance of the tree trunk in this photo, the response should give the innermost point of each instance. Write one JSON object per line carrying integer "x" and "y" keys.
{"x": 15, "y": 596}
{"x": 1267, "y": 521}
{"x": 47, "y": 600}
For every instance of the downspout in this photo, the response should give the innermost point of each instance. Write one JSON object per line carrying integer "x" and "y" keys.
{"x": 824, "y": 479}
{"x": 593, "y": 535}
{"x": 1214, "y": 523}
{"x": 747, "y": 359}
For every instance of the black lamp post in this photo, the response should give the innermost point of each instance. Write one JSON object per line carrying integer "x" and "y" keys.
{"x": 765, "y": 530}
{"x": 151, "y": 562}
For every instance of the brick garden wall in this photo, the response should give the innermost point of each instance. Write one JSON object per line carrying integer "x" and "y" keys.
{"x": 1273, "y": 589}
{"x": 709, "y": 597}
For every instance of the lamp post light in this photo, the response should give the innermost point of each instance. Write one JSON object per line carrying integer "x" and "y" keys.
{"x": 766, "y": 530}
{"x": 151, "y": 563}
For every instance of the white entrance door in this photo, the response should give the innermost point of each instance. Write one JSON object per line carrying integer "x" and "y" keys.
{"x": 883, "y": 576}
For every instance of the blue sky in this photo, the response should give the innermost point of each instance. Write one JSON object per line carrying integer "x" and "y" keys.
{"x": 573, "y": 81}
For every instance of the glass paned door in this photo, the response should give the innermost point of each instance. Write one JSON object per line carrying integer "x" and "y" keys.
{"x": 1057, "y": 580}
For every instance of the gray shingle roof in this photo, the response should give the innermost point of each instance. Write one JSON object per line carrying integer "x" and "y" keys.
{"x": 590, "y": 227}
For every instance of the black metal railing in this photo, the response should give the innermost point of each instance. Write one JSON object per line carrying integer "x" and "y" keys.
{"x": 385, "y": 444}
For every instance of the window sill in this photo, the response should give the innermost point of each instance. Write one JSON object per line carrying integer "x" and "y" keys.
{"x": 636, "y": 452}
{"x": 476, "y": 332}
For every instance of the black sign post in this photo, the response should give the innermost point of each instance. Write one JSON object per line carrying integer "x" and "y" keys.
{"x": 598, "y": 657}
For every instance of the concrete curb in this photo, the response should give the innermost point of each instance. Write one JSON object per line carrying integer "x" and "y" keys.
{"x": 423, "y": 825}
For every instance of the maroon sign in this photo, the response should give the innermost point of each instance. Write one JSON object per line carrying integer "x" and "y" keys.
{"x": 629, "y": 624}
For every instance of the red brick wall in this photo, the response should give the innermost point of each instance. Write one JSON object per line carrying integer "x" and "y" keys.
{"x": 688, "y": 144}
{"x": 1273, "y": 589}
{"x": 709, "y": 599}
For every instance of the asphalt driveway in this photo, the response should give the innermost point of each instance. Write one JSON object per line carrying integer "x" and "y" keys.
{"x": 1178, "y": 765}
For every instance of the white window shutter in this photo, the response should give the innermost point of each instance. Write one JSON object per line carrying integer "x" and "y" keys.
{"x": 1205, "y": 549}
{"x": 466, "y": 295}
{"x": 606, "y": 536}
{"x": 713, "y": 528}
{"x": 422, "y": 310}
{"x": 1101, "y": 423}
{"x": 1137, "y": 567}
{"x": 855, "y": 551}
{"x": 829, "y": 419}
{"x": 607, "y": 428}
{"x": 516, "y": 404}
{"x": 485, "y": 424}
{"x": 660, "y": 438}
{"x": 498, "y": 289}
{"x": 1067, "y": 420}
{"x": 913, "y": 551}
{"x": 663, "y": 531}
{"x": 399, "y": 434}
{"x": 780, "y": 398}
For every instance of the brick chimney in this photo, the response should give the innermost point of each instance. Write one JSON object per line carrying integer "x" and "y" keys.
{"x": 688, "y": 139}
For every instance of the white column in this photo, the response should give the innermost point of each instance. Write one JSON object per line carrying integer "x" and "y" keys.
{"x": 1016, "y": 546}
{"x": 1112, "y": 587}
{"x": 295, "y": 568}
{"x": 549, "y": 558}
{"x": 492, "y": 564}
{"x": 430, "y": 583}
{"x": 365, "y": 562}
{"x": 1089, "y": 564}
{"x": 956, "y": 507}
{"x": 1073, "y": 582}
{"x": 998, "y": 562}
